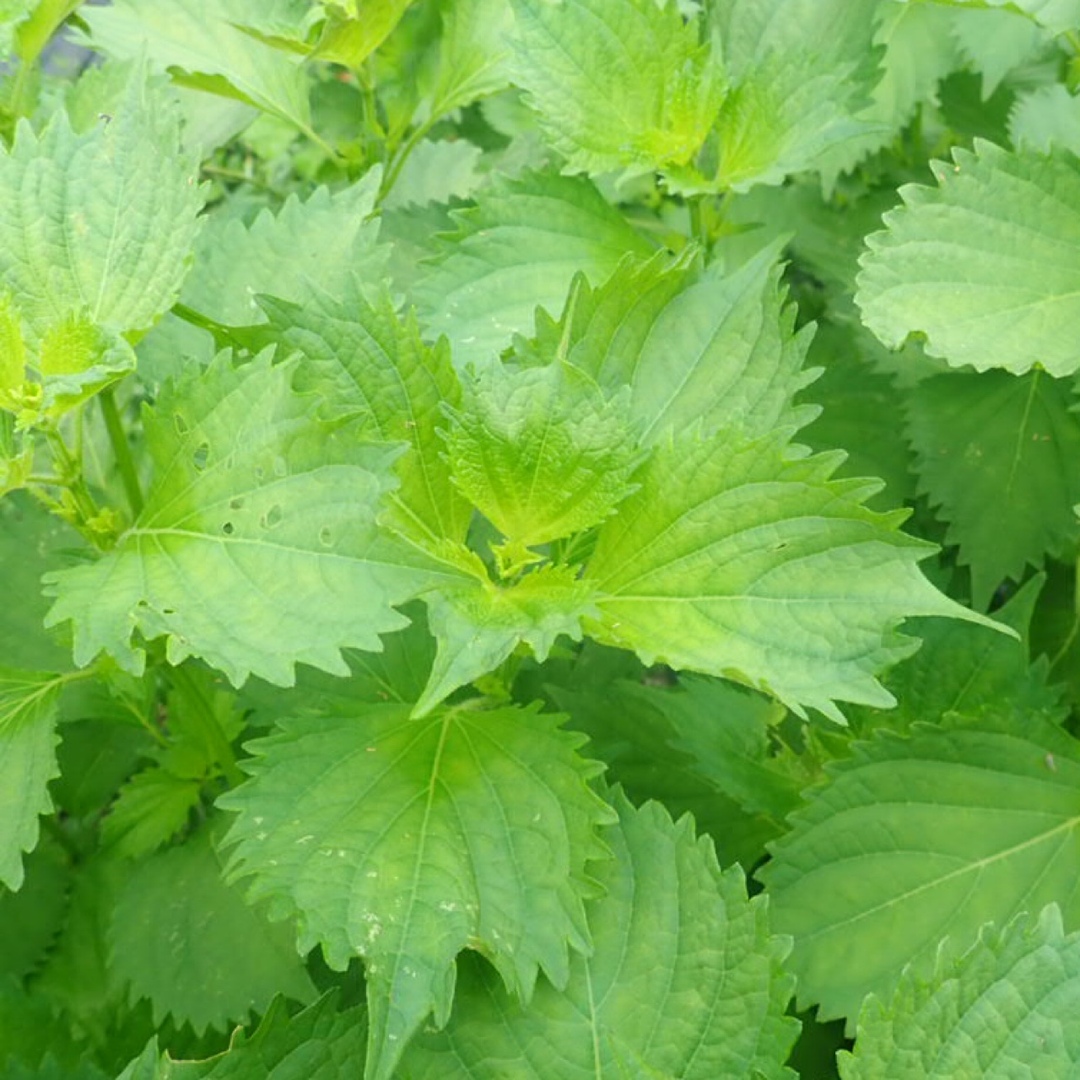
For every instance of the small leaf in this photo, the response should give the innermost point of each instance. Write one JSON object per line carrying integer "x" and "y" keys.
{"x": 684, "y": 980}
{"x": 405, "y": 841}
{"x": 915, "y": 839}
{"x": 1008, "y": 1006}
{"x": 152, "y": 807}
{"x": 736, "y": 559}
{"x": 233, "y": 965}
{"x": 985, "y": 264}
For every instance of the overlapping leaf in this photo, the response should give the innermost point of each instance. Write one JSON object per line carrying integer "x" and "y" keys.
{"x": 517, "y": 250}
{"x": 736, "y": 559}
{"x": 257, "y": 546}
{"x": 622, "y": 84}
{"x": 1007, "y": 1007}
{"x": 1055, "y": 15}
{"x": 405, "y": 842}
{"x": 684, "y": 980}
{"x": 922, "y": 838}
{"x": 233, "y": 965}
{"x": 985, "y": 264}
{"x": 1000, "y": 456}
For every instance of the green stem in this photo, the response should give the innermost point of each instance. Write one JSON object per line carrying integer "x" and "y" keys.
{"x": 121, "y": 450}
{"x": 406, "y": 148}
{"x": 71, "y": 471}
{"x": 202, "y": 712}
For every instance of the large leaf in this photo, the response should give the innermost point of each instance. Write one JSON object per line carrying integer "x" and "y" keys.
{"x": 736, "y": 559}
{"x": 98, "y": 226}
{"x": 405, "y": 842}
{"x": 917, "y": 839}
{"x": 1007, "y": 1007}
{"x": 618, "y": 83}
{"x": 257, "y": 546}
{"x": 27, "y": 762}
{"x": 198, "y": 38}
{"x": 1000, "y": 456}
{"x": 234, "y": 964}
{"x": 1056, "y": 15}
{"x": 518, "y": 249}
{"x": 684, "y": 980}
{"x": 986, "y": 265}
{"x": 365, "y": 361}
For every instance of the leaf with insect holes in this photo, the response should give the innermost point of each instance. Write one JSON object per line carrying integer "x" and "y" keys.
{"x": 257, "y": 547}
{"x": 735, "y": 558}
{"x": 405, "y": 841}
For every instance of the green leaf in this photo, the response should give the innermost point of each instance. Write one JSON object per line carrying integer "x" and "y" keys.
{"x": 27, "y": 762}
{"x": 618, "y": 84}
{"x": 736, "y": 559}
{"x": 915, "y": 839}
{"x": 31, "y": 918}
{"x": 539, "y": 451}
{"x": 480, "y": 624}
{"x": 1045, "y": 118}
{"x": 364, "y": 360}
{"x": 1006, "y": 1007}
{"x": 307, "y": 248}
{"x": 994, "y": 41}
{"x": 1056, "y": 15}
{"x": 436, "y": 171}
{"x": 516, "y": 250}
{"x": 800, "y": 75}
{"x": 257, "y": 545}
{"x": 233, "y": 965}
{"x": 406, "y": 841}
{"x": 29, "y": 1034}
{"x": 65, "y": 250}
{"x": 985, "y": 264}
{"x": 1000, "y": 456}
{"x": 152, "y": 807}
{"x": 710, "y": 350}
{"x": 13, "y": 13}
{"x": 684, "y": 979}
{"x": 199, "y": 40}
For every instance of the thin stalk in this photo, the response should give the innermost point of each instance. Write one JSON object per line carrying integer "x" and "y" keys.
{"x": 406, "y": 148}
{"x": 121, "y": 450}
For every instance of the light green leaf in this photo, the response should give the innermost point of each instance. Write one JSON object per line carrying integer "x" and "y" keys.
{"x": 986, "y": 265}
{"x": 709, "y": 350}
{"x": 480, "y": 624}
{"x": 66, "y": 250}
{"x": 1044, "y": 118}
{"x": 1000, "y": 456}
{"x": 618, "y": 83}
{"x": 539, "y": 451}
{"x": 736, "y": 559}
{"x": 405, "y": 841}
{"x": 684, "y": 980}
{"x": 1007, "y": 1007}
{"x": 356, "y": 28}
{"x": 13, "y": 13}
{"x": 233, "y": 966}
{"x": 994, "y": 41}
{"x": 801, "y": 72}
{"x": 257, "y": 545}
{"x": 364, "y": 360}
{"x": 309, "y": 247}
{"x": 198, "y": 38}
{"x": 1055, "y": 15}
{"x": 436, "y": 171}
{"x": 917, "y": 839}
{"x": 27, "y": 762}
{"x": 152, "y": 807}
{"x": 516, "y": 250}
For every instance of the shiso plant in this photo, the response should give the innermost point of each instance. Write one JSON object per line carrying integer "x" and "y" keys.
{"x": 537, "y": 539}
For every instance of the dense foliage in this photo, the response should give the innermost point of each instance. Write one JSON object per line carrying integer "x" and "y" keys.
{"x": 538, "y": 539}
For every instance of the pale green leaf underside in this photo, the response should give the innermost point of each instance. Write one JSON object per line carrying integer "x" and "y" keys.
{"x": 27, "y": 763}
{"x": 257, "y": 546}
{"x": 480, "y": 624}
{"x": 1008, "y": 1007}
{"x": 405, "y": 841}
{"x": 1000, "y": 456}
{"x": 98, "y": 225}
{"x": 539, "y": 451}
{"x": 517, "y": 250}
{"x": 736, "y": 559}
{"x": 1056, "y": 15}
{"x": 199, "y": 39}
{"x": 986, "y": 265}
{"x": 1046, "y": 118}
{"x": 318, "y": 244}
{"x": 233, "y": 965}
{"x": 684, "y": 980}
{"x": 618, "y": 83}
{"x": 363, "y": 360}
{"x": 920, "y": 839}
